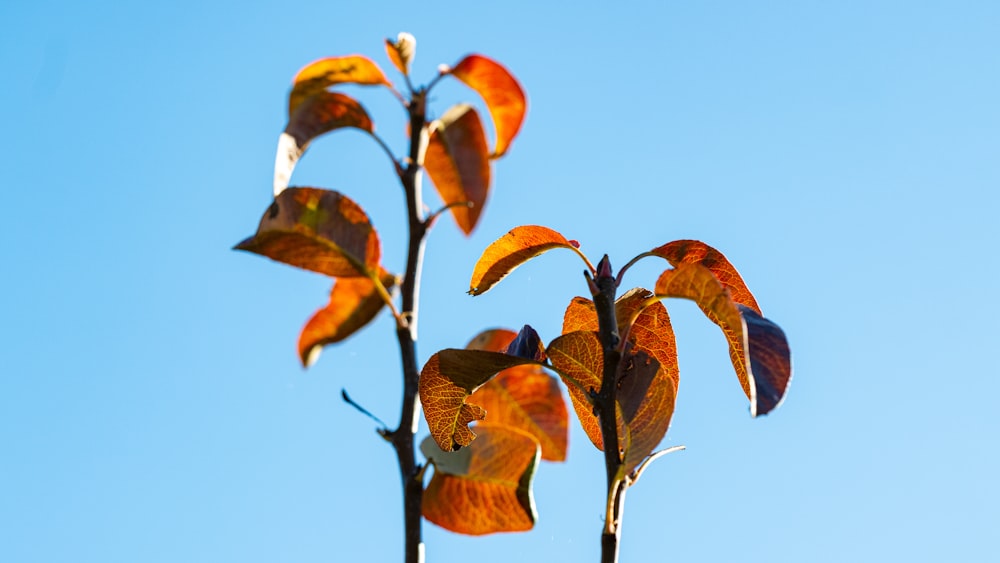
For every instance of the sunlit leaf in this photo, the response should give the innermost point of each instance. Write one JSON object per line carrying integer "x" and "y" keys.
{"x": 447, "y": 380}
{"x": 646, "y": 390}
{"x": 501, "y": 92}
{"x": 488, "y": 488}
{"x": 696, "y": 282}
{"x": 318, "y": 230}
{"x": 320, "y": 75}
{"x": 401, "y": 51}
{"x": 457, "y": 161}
{"x": 693, "y": 251}
{"x": 354, "y": 302}
{"x": 510, "y": 251}
{"x": 318, "y": 114}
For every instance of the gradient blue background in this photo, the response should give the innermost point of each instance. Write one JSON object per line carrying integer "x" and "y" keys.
{"x": 843, "y": 155}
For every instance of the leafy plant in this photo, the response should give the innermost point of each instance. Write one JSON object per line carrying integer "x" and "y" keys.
{"x": 326, "y": 232}
{"x": 616, "y": 356}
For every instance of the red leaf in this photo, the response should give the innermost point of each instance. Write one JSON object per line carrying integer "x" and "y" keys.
{"x": 320, "y": 75}
{"x": 318, "y": 230}
{"x": 318, "y": 114}
{"x": 501, "y": 92}
{"x": 354, "y": 302}
{"x": 457, "y": 161}
{"x": 749, "y": 335}
{"x": 510, "y": 251}
{"x": 485, "y": 488}
{"x": 696, "y": 252}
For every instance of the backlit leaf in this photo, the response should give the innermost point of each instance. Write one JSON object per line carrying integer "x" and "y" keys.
{"x": 318, "y": 230}
{"x": 693, "y": 251}
{"x": 320, "y": 113}
{"x": 457, "y": 161}
{"x": 763, "y": 339}
{"x": 525, "y": 397}
{"x": 645, "y": 394}
{"x": 510, "y": 251}
{"x": 493, "y": 494}
{"x": 320, "y": 75}
{"x": 447, "y": 380}
{"x": 501, "y": 92}
{"x": 354, "y": 302}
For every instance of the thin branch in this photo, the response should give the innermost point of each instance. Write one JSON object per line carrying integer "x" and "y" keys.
{"x": 621, "y": 273}
{"x": 347, "y": 399}
{"x": 649, "y": 459}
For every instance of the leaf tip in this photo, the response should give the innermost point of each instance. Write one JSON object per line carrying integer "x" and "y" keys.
{"x": 310, "y": 355}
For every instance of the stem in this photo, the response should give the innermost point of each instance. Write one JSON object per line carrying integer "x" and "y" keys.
{"x": 402, "y": 438}
{"x": 603, "y": 289}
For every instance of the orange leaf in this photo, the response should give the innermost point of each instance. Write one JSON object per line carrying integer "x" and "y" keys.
{"x": 645, "y": 395}
{"x": 401, "y": 51}
{"x": 510, "y": 251}
{"x": 485, "y": 488}
{"x": 447, "y": 380}
{"x": 501, "y": 92}
{"x": 318, "y": 230}
{"x": 354, "y": 302}
{"x": 318, "y": 114}
{"x": 457, "y": 161}
{"x": 748, "y": 334}
{"x": 320, "y": 75}
{"x": 694, "y": 251}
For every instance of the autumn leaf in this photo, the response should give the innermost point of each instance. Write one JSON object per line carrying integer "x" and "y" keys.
{"x": 485, "y": 488}
{"x": 513, "y": 249}
{"x": 448, "y": 379}
{"x": 501, "y": 92}
{"x": 318, "y": 114}
{"x": 318, "y": 230}
{"x": 401, "y": 51}
{"x": 354, "y": 302}
{"x": 693, "y": 251}
{"x": 323, "y": 73}
{"x": 696, "y": 282}
{"x": 457, "y": 161}
{"x": 645, "y": 394}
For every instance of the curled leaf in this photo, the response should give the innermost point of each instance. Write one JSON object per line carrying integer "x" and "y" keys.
{"x": 401, "y": 51}
{"x": 318, "y": 230}
{"x": 696, "y": 282}
{"x": 457, "y": 161}
{"x": 694, "y": 251}
{"x": 323, "y": 73}
{"x": 447, "y": 380}
{"x": 487, "y": 489}
{"x": 501, "y": 92}
{"x": 510, "y": 251}
{"x": 354, "y": 302}
{"x": 318, "y": 114}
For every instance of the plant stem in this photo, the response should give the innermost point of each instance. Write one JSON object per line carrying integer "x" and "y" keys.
{"x": 606, "y": 406}
{"x": 403, "y": 437}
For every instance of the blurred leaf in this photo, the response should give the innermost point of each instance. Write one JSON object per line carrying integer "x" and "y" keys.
{"x": 493, "y": 494}
{"x": 501, "y": 92}
{"x": 696, "y": 282}
{"x": 318, "y": 230}
{"x": 401, "y": 51}
{"x": 457, "y": 161}
{"x": 318, "y": 114}
{"x": 354, "y": 302}
{"x": 492, "y": 340}
{"x": 694, "y": 251}
{"x": 510, "y": 251}
{"x": 320, "y": 75}
{"x": 447, "y": 380}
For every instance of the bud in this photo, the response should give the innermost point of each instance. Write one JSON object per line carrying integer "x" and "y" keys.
{"x": 401, "y": 51}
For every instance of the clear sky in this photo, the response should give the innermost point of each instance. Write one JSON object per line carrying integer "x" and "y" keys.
{"x": 843, "y": 155}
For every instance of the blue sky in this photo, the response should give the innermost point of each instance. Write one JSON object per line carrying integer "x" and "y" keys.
{"x": 844, "y": 156}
